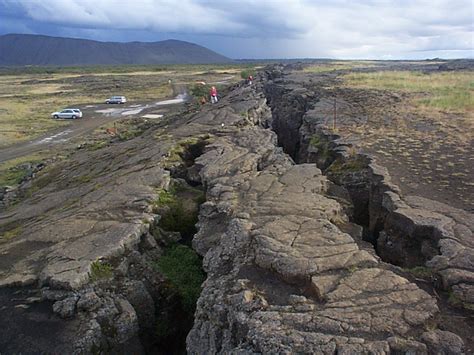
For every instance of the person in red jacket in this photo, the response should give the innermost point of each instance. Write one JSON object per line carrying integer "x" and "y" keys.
{"x": 250, "y": 79}
{"x": 213, "y": 93}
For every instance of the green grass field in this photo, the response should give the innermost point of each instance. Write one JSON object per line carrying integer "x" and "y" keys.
{"x": 447, "y": 91}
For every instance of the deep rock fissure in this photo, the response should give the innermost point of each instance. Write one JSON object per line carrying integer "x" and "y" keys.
{"x": 356, "y": 187}
{"x": 178, "y": 211}
{"x": 361, "y": 187}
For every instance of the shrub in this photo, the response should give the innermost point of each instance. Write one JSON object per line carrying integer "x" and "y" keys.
{"x": 348, "y": 166}
{"x": 199, "y": 91}
{"x": 244, "y": 74}
{"x": 166, "y": 197}
{"x": 97, "y": 145}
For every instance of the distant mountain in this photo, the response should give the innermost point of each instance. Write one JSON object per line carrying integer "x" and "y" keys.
{"x": 21, "y": 49}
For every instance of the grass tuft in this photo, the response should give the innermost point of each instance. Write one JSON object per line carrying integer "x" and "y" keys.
{"x": 100, "y": 271}
{"x": 349, "y": 166}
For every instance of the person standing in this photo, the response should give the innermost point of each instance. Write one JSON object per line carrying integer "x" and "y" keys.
{"x": 250, "y": 79}
{"x": 213, "y": 93}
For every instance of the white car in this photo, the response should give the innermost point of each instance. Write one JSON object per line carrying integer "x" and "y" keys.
{"x": 68, "y": 113}
{"x": 116, "y": 100}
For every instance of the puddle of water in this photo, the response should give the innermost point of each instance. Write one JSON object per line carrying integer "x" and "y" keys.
{"x": 177, "y": 100}
{"x": 133, "y": 112}
{"x": 108, "y": 110}
{"x": 139, "y": 108}
{"x": 55, "y": 138}
{"x": 152, "y": 116}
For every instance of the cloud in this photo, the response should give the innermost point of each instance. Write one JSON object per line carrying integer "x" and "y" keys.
{"x": 268, "y": 28}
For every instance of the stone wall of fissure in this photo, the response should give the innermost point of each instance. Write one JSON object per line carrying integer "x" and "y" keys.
{"x": 282, "y": 276}
{"x": 408, "y": 231}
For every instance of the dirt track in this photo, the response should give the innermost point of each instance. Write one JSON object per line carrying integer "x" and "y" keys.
{"x": 94, "y": 116}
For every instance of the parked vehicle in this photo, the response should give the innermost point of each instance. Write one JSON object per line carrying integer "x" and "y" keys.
{"x": 116, "y": 100}
{"x": 79, "y": 112}
{"x": 68, "y": 113}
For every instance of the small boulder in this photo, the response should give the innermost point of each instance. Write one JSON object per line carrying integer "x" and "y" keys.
{"x": 126, "y": 324}
{"x": 65, "y": 308}
{"x": 88, "y": 302}
{"x": 442, "y": 342}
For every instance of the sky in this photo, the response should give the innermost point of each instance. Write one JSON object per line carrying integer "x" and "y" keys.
{"x": 344, "y": 29}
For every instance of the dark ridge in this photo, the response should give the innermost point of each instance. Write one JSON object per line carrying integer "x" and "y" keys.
{"x": 23, "y": 49}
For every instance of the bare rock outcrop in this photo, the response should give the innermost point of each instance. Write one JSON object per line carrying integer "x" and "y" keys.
{"x": 411, "y": 231}
{"x": 282, "y": 276}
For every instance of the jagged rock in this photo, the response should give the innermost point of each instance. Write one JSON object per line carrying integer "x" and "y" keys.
{"x": 321, "y": 293}
{"x": 54, "y": 295}
{"x": 139, "y": 297}
{"x": 442, "y": 343}
{"x": 111, "y": 210}
{"x": 148, "y": 242}
{"x": 91, "y": 338}
{"x": 414, "y": 231}
{"x": 107, "y": 313}
{"x": 126, "y": 324}
{"x": 122, "y": 268}
{"x": 88, "y": 302}
{"x": 404, "y": 346}
{"x": 66, "y": 308}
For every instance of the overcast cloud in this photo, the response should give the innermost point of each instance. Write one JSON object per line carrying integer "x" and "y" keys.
{"x": 371, "y": 29}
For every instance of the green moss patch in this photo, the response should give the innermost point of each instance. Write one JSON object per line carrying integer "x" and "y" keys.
{"x": 12, "y": 176}
{"x": 183, "y": 269}
{"x": 179, "y": 207}
{"x": 322, "y": 145}
{"x": 9, "y": 232}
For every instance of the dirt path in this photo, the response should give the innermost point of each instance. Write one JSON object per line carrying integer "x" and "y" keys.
{"x": 94, "y": 116}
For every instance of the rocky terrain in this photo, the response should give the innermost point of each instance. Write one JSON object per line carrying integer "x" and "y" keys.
{"x": 305, "y": 241}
